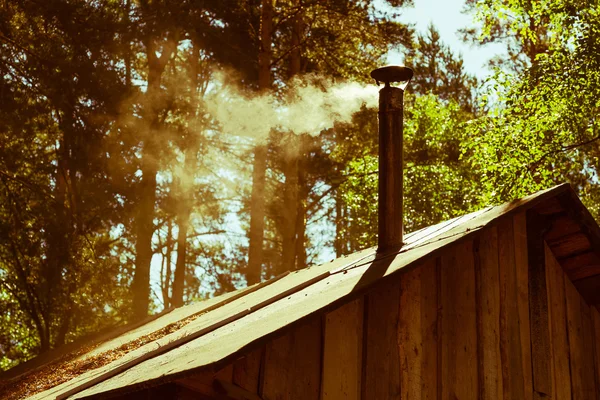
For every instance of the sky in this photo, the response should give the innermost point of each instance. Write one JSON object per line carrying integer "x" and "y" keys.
{"x": 448, "y": 18}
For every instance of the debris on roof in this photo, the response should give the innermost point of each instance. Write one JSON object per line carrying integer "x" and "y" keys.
{"x": 94, "y": 355}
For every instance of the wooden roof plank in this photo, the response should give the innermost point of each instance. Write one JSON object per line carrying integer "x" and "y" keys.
{"x": 179, "y": 314}
{"x": 583, "y": 272}
{"x": 561, "y": 226}
{"x": 568, "y": 245}
{"x": 580, "y": 260}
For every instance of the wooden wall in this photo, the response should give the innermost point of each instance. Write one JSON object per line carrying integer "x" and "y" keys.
{"x": 455, "y": 328}
{"x": 575, "y": 338}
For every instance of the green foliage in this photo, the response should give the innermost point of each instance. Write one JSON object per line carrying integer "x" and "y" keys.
{"x": 543, "y": 128}
{"x": 346, "y": 38}
{"x": 58, "y": 96}
{"x": 439, "y": 71}
{"x": 438, "y": 185}
{"x": 524, "y": 27}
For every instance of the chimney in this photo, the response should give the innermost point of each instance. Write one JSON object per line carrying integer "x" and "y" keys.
{"x": 391, "y": 130}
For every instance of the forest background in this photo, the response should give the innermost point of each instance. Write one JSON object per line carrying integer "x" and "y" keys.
{"x": 154, "y": 152}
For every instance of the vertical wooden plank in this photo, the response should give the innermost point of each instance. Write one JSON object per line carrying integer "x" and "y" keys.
{"x": 278, "y": 368}
{"x": 417, "y": 332}
{"x": 308, "y": 347}
{"x": 197, "y": 385}
{"x": 429, "y": 328}
{"x": 558, "y": 328}
{"x": 459, "y": 327}
{"x": 596, "y": 327}
{"x": 183, "y": 393}
{"x": 342, "y": 352}
{"x": 225, "y": 373}
{"x": 246, "y": 370}
{"x": 166, "y": 391}
{"x": 522, "y": 266}
{"x": 440, "y": 328}
{"x": 575, "y": 336}
{"x": 488, "y": 314}
{"x": 381, "y": 356}
{"x": 538, "y": 307}
{"x": 292, "y": 368}
{"x": 589, "y": 374}
{"x": 410, "y": 335}
{"x": 510, "y": 332}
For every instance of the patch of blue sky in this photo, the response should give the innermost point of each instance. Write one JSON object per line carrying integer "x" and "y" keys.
{"x": 448, "y": 16}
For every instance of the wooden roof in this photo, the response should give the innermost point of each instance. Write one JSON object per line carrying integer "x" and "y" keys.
{"x": 222, "y": 328}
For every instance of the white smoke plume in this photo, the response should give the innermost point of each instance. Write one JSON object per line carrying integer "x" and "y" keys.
{"x": 310, "y": 106}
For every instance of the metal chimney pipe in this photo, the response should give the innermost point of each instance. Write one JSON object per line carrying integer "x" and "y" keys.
{"x": 391, "y": 129}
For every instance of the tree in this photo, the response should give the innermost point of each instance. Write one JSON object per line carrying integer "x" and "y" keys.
{"x": 328, "y": 39}
{"x": 307, "y": 37}
{"x": 75, "y": 121}
{"x": 543, "y": 128}
{"x": 524, "y": 27}
{"x": 438, "y": 183}
{"x": 60, "y": 93}
{"x": 158, "y": 36}
{"x": 440, "y": 72}
{"x": 257, "y": 216}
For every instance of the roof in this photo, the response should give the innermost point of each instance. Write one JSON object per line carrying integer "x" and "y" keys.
{"x": 212, "y": 333}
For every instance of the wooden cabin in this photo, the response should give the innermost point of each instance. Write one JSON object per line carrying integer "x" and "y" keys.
{"x": 498, "y": 304}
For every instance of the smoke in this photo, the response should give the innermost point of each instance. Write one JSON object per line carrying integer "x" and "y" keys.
{"x": 309, "y": 105}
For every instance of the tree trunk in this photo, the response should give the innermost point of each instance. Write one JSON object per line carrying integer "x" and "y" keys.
{"x": 58, "y": 239}
{"x": 339, "y": 221}
{"x": 179, "y": 277}
{"x": 257, "y": 206}
{"x": 144, "y": 220}
{"x": 128, "y": 45}
{"x": 145, "y": 227}
{"x": 169, "y": 249}
{"x": 186, "y": 190}
{"x": 164, "y": 278}
{"x": 65, "y": 325}
{"x": 183, "y": 218}
{"x": 302, "y": 201}
{"x": 296, "y": 53}
{"x": 290, "y": 203}
{"x": 31, "y": 306}
{"x": 293, "y": 155}
{"x": 44, "y": 339}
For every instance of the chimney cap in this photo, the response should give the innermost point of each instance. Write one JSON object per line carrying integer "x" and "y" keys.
{"x": 392, "y": 73}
